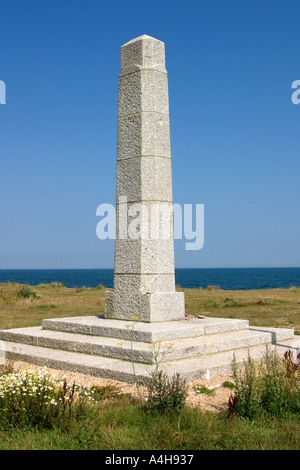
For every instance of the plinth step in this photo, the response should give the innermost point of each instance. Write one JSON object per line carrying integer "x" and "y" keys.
{"x": 144, "y": 352}
{"x": 145, "y": 332}
{"x": 191, "y": 369}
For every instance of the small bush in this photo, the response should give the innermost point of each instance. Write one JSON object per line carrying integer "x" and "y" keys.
{"x": 166, "y": 394}
{"x": 213, "y": 288}
{"x": 271, "y": 387}
{"x": 57, "y": 284}
{"x": 9, "y": 296}
{"x": 26, "y": 292}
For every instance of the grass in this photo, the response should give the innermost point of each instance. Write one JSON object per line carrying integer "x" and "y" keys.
{"x": 201, "y": 389}
{"x": 278, "y": 308}
{"x": 268, "y": 307}
{"x": 56, "y": 301}
{"x": 120, "y": 424}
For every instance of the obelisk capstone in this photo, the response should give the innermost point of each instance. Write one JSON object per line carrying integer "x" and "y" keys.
{"x": 144, "y": 278}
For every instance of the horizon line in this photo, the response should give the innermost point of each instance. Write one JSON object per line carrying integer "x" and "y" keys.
{"x": 187, "y": 267}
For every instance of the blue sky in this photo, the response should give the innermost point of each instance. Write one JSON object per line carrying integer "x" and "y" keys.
{"x": 234, "y": 129}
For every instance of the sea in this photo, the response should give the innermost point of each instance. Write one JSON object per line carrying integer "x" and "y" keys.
{"x": 224, "y": 278}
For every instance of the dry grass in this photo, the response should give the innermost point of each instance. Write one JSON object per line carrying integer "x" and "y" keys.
{"x": 55, "y": 302}
{"x": 268, "y": 307}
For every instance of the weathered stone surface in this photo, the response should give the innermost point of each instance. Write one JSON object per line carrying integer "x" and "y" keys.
{"x": 154, "y": 307}
{"x": 156, "y": 257}
{"x": 109, "y": 348}
{"x": 140, "y": 351}
{"x": 148, "y": 332}
{"x": 135, "y": 140}
{"x": 143, "y": 91}
{"x": 144, "y": 243}
{"x": 193, "y": 368}
{"x": 145, "y": 179}
{"x": 142, "y": 52}
{"x": 145, "y": 283}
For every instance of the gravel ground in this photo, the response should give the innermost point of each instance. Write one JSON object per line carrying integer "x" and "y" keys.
{"x": 216, "y": 402}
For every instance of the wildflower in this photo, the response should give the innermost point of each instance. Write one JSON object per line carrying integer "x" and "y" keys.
{"x": 27, "y": 395}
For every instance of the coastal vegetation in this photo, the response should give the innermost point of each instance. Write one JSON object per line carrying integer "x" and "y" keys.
{"x": 262, "y": 413}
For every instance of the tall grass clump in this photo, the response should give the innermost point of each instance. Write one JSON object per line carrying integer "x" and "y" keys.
{"x": 271, "y": 387}
{"x": 30, "y": 398}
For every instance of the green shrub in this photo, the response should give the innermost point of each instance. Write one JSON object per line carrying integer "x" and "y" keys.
{"x": 270, "y": 387}
{"x": 26, "y": 292}
{"x": 247, "y": 395}
{"x": 165, "y": 393}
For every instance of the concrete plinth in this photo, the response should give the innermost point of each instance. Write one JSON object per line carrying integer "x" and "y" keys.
{"x": 128, "y": 351}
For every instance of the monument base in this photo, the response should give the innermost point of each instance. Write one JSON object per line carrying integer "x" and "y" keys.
{"x": 149, "y": 307}
{"x": 128, "y": 350}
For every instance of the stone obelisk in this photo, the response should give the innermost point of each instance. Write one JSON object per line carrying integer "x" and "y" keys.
{"x": 144, "y": 279}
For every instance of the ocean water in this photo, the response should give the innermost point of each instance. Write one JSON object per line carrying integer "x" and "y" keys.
{"x": 226, "y": 278}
